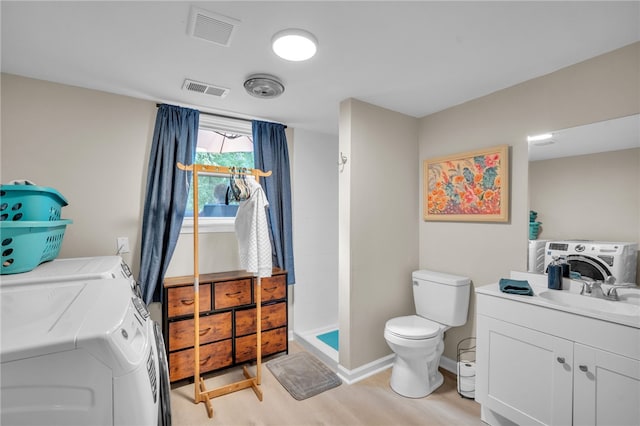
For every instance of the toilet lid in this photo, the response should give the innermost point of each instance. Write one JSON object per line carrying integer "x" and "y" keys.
{"x": 413, "y": 327}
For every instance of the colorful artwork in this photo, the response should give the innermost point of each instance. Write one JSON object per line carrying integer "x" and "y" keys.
{"x": 471, "y": 186}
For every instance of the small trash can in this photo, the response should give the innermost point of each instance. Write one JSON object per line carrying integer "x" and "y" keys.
{"x": 466, "y": 362}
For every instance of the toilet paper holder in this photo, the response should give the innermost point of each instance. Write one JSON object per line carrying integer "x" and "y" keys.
{"x": 466, "y": 365}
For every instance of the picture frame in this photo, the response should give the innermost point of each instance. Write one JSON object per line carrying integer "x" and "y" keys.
{"x": 468, "y": 187}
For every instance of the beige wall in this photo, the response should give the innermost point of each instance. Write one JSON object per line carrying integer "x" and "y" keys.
{"x": 588, "y": 197}
{"x": 598, "y": 89}
{"x": 91, "y": 146}
{"x": 378, "y": 215}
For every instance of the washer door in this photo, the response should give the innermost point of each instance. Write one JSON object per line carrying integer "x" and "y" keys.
{"x": 164, "y": 407}
{"x": 588, "y": 267}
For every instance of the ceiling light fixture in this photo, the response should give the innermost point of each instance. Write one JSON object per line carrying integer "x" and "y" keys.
{"x": 294, "y": 44}
{"x": 540, "y": 138}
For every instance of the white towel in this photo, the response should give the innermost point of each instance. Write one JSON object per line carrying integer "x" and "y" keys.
{"x": 252, "y": 232}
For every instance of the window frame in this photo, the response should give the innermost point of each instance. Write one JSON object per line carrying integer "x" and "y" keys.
{"x": 225, "y": 124}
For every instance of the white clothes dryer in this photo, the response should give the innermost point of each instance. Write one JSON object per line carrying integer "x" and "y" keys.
{"x": 73, "y": 269}
{"x": 78, "y": 353}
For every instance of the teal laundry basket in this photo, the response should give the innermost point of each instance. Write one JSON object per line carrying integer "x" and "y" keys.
{"x": 30, "y": 203}
{"x": 26, "y": 244}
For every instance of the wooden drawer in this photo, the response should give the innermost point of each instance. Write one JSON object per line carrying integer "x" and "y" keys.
{"x": 212, "y": 328}
{"x": 180, "y": 300}
{"x": 273, "y": 316}
{"x": 273, "y": 288}
{"x": 272, "y": 341}
{"x": 228, "y": 294}
{"x": 212, "y": 356}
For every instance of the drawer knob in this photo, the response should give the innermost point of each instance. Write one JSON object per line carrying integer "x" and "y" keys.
{"x": 237, "y": 293}
{"x": 583, "y": 368}
{"x": 204, "y": 362}
{"x": 560, "y": 360}
{"x": 270, "y": 289}
{"x": 186, "y": 301}
{"x": 205, "y": 331}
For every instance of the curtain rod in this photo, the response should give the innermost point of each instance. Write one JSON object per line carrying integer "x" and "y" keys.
{"x": 221, "y": 115}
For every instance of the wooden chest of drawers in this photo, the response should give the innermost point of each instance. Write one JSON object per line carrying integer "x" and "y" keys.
{"x": 227, "y": 320}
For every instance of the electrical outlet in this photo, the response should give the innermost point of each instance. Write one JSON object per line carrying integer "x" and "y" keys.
{"x": 123, "y": 245}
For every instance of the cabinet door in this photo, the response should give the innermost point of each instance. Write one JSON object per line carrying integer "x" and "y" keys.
{"x": 524, "y": 375}
{"x": 606, "y": 388}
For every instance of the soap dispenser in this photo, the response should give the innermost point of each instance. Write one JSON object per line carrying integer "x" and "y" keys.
{"x": 566, "y": 267}
{"x": 554, "y": 274}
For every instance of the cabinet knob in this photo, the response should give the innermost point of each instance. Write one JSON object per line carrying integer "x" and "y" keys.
{"x": 583, "y": 368}
{"x": 560, "y": 360}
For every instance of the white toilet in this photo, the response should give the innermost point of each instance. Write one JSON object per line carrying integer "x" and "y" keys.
{"x": 442, "y": 301}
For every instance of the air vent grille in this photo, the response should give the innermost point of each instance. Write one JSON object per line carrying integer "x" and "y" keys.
{"x": 211, "y": 26}
{"x": 205, "y": 88}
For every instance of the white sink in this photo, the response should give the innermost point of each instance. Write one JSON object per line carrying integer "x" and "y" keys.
{"x": 627, "y": 305}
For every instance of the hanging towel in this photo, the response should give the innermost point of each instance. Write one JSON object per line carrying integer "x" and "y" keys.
{"x": 515, "y": 287}
{"x": 252, "y": 232}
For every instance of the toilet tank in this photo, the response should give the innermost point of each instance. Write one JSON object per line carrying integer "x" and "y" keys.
{"x": 440, "y": 297}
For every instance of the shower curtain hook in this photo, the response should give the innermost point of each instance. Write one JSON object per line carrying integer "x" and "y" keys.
{"x": 342, "y": 161}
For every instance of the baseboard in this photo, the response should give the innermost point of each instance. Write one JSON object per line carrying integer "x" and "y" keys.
{"x": 449, "y": 364}
{"x": 364, "y": 371}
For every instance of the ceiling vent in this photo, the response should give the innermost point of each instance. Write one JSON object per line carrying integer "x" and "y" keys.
{"x": 211, "y": 26}
{"x": 263, "y": 86}
{"x": 205, "y": 88}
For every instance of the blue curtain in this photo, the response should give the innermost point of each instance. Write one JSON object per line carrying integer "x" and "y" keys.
{"x": 271, "y": 153}
{"x": 174, "y": 140}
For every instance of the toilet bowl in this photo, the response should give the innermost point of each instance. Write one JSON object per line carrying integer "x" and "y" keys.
{"x": 441, "y": 302}
{"x": 418, "y": 345}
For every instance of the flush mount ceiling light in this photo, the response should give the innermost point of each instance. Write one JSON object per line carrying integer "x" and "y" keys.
{"x": 263, "y": 86}
{"x": 294, "y": 44}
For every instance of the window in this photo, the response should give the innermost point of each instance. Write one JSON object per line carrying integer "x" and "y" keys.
{"x": 221, "y": 142}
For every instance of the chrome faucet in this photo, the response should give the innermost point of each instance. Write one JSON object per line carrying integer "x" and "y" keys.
{"x": 594, "y": 288}
{"x": 612, "y": 294}
{"x": 587, "y": 285}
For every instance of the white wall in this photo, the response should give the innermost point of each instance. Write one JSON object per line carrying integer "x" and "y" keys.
{"x": 315, "y": 230}
{"x": 598, "y": 89}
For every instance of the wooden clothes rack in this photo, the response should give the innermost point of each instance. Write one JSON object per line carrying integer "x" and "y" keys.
{"x": 201, "y": 394}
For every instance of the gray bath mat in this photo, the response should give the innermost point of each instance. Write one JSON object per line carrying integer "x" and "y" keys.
{"x": 303, "y": 375}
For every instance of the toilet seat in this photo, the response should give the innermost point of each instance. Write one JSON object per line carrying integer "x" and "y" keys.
{"x": 413, "y": 327}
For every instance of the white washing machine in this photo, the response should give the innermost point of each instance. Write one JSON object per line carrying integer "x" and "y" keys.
{"x": 596, "y": 259}
{"x": 78, "y": 347}
{"x": 73, "y": 269}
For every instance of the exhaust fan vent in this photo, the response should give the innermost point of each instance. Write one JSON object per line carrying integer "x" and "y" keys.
{"x": 204, "y": 88}
{"x": 263, "y": 86}
{"x": 211, "y": 27}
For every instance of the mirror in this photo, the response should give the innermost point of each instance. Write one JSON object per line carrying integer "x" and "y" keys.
{"x": 604, "y": 136}
{"x": 584, "y": 183}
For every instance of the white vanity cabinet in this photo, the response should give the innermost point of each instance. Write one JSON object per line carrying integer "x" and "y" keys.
{"x": 606, "y": 388}
{"x": 541, "y": 366}
{"x": 528, "y": 373}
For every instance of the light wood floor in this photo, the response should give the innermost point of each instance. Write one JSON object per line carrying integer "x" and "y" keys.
{"x": 368, "y": 402}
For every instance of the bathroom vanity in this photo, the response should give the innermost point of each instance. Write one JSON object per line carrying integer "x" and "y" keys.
{"x": 558, "y": 357}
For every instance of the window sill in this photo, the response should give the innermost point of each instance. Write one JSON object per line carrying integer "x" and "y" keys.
{"x": 209, "y": 225}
